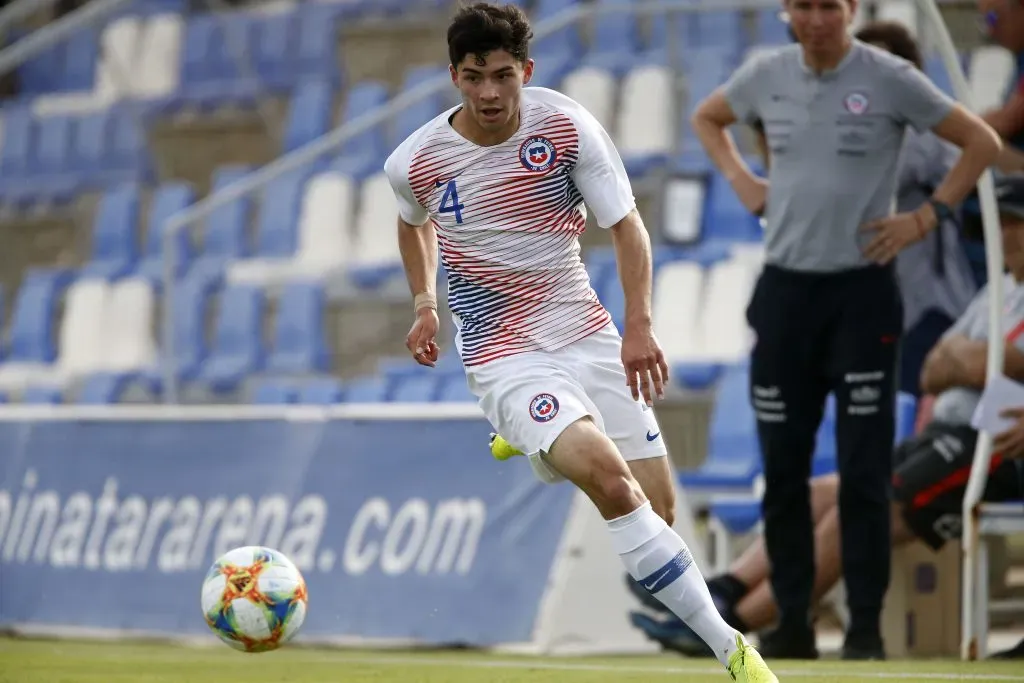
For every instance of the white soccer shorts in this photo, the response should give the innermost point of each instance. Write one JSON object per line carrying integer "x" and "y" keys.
{"x": 529, "y": 398}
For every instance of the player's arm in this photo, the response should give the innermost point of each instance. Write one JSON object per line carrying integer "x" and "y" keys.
{"x": 633, "y": 255}
{"x": 1008, "y": 120}
{"x": 417, "y": 245}
{"x": 957, "y": 361}
{"x": 735, "y": 101}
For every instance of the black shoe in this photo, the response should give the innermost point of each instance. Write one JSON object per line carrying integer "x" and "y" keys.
{"x": 645, "y": 597}
{"x": 671, "y": 633}
{"x": 789, "y": 643}
{"x": 1015, "y": 652}
{"x": 863, "y": 648}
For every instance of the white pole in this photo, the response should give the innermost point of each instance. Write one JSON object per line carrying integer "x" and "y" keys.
{"x": 969, "y": 646}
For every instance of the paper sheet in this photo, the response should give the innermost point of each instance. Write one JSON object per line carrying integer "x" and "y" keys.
{"x": 1000, "y": 394}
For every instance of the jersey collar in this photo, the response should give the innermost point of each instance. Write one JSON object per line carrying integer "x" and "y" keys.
{"x": 831, "y": 73}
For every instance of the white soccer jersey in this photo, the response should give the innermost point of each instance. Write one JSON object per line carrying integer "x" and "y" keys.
{"x": 508, "y": 218}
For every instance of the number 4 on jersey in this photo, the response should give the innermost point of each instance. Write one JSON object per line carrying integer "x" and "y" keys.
{"x": 450, "y": 200}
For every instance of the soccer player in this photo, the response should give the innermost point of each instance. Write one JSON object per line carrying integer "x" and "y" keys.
{"x": 499, "y": 183}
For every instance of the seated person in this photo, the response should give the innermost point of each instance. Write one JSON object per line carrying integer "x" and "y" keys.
{"x": 1004, "y": 20}
{"x": 930, "y": 469}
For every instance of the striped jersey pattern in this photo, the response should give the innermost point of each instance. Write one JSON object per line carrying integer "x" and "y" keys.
{"x": 508, "y": 218}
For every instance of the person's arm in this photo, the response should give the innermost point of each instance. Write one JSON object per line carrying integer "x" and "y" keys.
{"x": 735, "y": 101}
{"x": 417, "y": 244}
{"x": 1008, "y": 120}
{"x": 602, "y": 180}
{"x": 924, "y": 106}
{"x": 957, "y": 361}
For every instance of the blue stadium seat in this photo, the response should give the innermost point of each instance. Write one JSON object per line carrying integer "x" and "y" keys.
{"x": 43, "y": 72}
{"x": 738, "y": 516}
{"x": 90, "y": 147}
{"x": 170, "y": 198}
{"x": 416, "y": 389}
{"x": 277, "y": 227}
{"x": 42, "y": 395}
{"x": 323, "y": 391}
{"x": 299, "y": 346}
{"x": 103, "y": 389}
{"x": 725, "y": 217}
{"x": 367, "y": 390}
{"x": 734, "y": 459}
{"x": 362, "y": 155}
{"x": 455, "y": 390}
{"x": 54, "y": 144}
{"x": 410, "y": 119}
{"x": 127, "y": 157}
{"x": 552, "y": 68}
{"x": 80, "y": 57}
{"x": 566, "y": 40}
{"x": 277, "y": 41}
{"x": 19, "y": 135}
{"x": 663, "y": 26}
{"x": 722, "y": 30}
{"x": 190, "y": 302}
{"x": 906, "y": 416}
{"x": 115, "y": 241}
{"x": 825, "y": 459}
{"x": 771, "y": 30}
{"x": 200, "y": 37}
{"x": 32, "y": 337}
{"x": 224, "y": 236}
{"x": 237, "y": 348}
{"x": 274, "y": 391}
{"x": 616, "y": 40}
{"x": 309, "y": 116}
{"x": 316, "y": 53}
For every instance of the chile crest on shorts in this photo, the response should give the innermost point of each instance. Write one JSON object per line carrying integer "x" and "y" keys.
{"x": 537, "y": 153}
{"x": 543, "y": 407}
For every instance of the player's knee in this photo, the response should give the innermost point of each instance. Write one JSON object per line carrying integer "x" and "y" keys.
{"x": 615, "y": 493}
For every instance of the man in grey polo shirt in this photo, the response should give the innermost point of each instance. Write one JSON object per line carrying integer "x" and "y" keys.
{"x": 826, "y": 310}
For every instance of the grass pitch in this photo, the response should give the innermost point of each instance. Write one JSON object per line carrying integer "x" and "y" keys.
{"x": 47, "y": 661}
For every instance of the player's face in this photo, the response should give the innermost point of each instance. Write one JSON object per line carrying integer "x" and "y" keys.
{"x": 490, "y": 85}
{"x": 1003, "y": 20}
{"x": 820, "y": 25}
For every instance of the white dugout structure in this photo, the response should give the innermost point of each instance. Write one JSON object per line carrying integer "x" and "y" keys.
{"x": 980, "y": 519}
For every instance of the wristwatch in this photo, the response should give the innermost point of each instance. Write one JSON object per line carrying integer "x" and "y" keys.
{"x": 942, "y": 211}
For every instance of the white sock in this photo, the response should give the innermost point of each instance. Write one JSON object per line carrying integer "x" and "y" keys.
{"x": 655, "y": 556}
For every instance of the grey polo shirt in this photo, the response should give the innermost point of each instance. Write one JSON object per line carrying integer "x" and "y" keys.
{"x": 957, "y": 405}
{"x": 835, "y": 141}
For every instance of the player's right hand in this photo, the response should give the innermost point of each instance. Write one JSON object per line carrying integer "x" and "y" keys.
{"x": 752, "y": 192}
{"x": 422, "y": 338}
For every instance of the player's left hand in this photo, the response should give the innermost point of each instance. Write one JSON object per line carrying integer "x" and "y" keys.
{"x": 644, "y": 363}
{"x": 1010, "y": 443}
{"x": 891, "y": 235}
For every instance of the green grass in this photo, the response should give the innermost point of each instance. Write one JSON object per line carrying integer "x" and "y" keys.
{"x": 51, "y": 661}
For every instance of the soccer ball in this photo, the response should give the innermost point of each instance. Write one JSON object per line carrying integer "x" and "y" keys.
{"x": 254, "y": 599}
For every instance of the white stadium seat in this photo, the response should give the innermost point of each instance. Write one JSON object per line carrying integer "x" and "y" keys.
{"x": 157, "y": 72}
{"x": 644, "y": 125}
{"x": 376, "y": 242}
{"x": 988, "y": 76}
{"x": 594, "y": 89}
{"x": 725, "y": 335}
{"x": 83, "y": 333}
{"x": 678, "y": 292}
{"x": 129, "y": 344}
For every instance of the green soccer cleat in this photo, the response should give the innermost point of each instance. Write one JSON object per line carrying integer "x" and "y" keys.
{"x": 501, "y": 449}
{"x": 746, "y": 665}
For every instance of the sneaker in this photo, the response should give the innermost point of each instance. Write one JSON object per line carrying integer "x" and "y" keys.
{"x": 747, "y": 666}
{"x": 672, "y": 634}
{"x": 501, "y": 449}
{"x": 788, "y": 643}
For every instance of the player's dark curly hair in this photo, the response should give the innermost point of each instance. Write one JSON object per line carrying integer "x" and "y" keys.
{"x": 483, "y": 27}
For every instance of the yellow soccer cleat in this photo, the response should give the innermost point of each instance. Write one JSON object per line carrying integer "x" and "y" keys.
{"x": 746, "y": 665}
{"x": 501, "y": 449}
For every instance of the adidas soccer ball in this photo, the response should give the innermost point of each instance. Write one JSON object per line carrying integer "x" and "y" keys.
{"x": 254, "y": 599}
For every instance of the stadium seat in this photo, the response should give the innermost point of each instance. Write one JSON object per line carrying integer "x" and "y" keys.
{"x": 81, "y": 55}
{"x": 299, "y": 346}
{"x": 103, "y": 389}
{"x": 190, "y": 304}
{"x": 363, "y": 154}
{"x": 90, "y": 147}
{"x": 128, "y": 327}
{"x": 725, "y": 217}
{"x": 323, "y": 391}
{"x": 32, "y": 348}
{"x": 455, "y": 390}
{"x": 771, "y": 30}
{"x": 726, "y": 337}
{"x": 18, "y": 139}
{"x": 277, "y": 227}
{"x": 54, "y": 145}
{"x": 169, "y": 199}
{"x": 415, "y": 389}
{"x": 309, "y": 116}
{"x": 325, "y": 236}
{"x": 277, "y": 40}
{"x": 990, "y": 72}
{"x": 734, "y": 459}
{"x": 115, "y": 241}
{"x": 616, "y": 40}
{"x": 156, "y": 77}
{"x": 366, "y": 390}
{"x": 595, "y": 89}
{"x": 314, "y": 55}
{"x": 274, "y": 391}
{"x": 412, "y": 118}
{"x": 237, "y": 348}
{"x": 678, "y": 293}
{"x": 120, "y": 43}
{"x": 718, "y": 29}
{"x": 644, "y": 124}
{"x": 224, "y": 234}
{"x": 375, "y": 258}
{"x": 42, "y": 395}
{"x": 83, "y": 332}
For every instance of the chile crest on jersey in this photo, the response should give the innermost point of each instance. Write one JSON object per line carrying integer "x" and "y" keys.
{"x": 537, "y": 153}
